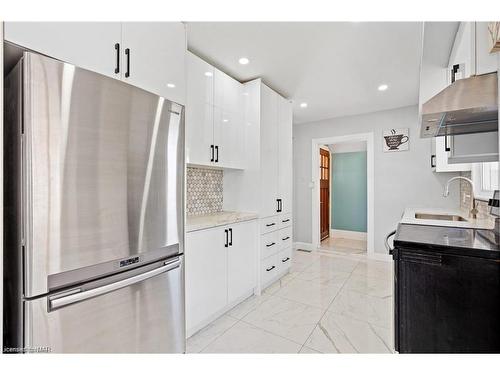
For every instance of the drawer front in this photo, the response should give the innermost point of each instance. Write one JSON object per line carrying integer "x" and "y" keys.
{"x": 285, "y": 220}
{"x": 268, "y": 269}
{"x": 285, "y": 238}
{"x": 269, "y": 224}
{"x": 284, "y": 260}
{"x": 269, "y": 244}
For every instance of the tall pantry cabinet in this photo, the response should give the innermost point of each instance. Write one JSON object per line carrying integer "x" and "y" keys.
{"x": 274, "y": 114}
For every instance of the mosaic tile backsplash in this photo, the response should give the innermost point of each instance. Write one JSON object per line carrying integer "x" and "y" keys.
{"x": 204, "y": 191}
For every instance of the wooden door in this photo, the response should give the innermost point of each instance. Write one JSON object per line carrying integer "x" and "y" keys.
{"x": 324, "y": 193}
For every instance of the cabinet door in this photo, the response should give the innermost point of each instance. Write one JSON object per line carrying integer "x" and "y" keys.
{"x": 157, "y": 57}
{"x": 456, "y": 299}
{"x": 269, "y": 152}
{"x": 442, "y": 156}
{"x": 242, "y": 260}
{"x": 206, "y": 275}
{"x": 229, "y": 138}
{"x": 285, "y": 159}
{"x": 89, "y": 45}
{"x": 229, "y": 129}
{"x": 199, "y": 111}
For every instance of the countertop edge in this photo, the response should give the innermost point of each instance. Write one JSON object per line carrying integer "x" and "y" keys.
{"x": 195, "y": 228}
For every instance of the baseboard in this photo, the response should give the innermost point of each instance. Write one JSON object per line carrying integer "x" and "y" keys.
{"x": 380, "y": 257}
{"x": 304, "y": 245}
{"x": 349, "y": 234}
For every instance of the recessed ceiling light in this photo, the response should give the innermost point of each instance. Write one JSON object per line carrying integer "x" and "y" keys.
{"x": 209, "y": 74}
{"x": 243, "y": 61}
{"x": 383, "y": 87}
{"x": 225, "y": 120}
{"x": 170, "y": 85}
{"x": 303, "y": 105}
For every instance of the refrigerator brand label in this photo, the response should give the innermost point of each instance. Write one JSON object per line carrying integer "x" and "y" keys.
{"x": 128, "y": 262}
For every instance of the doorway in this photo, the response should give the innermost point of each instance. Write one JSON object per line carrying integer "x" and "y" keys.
{"x": 324, "y": 193}
{"x": 339, "y": 238}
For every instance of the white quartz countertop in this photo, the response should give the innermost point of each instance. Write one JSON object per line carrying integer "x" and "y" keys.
{"x": 217, "y": 219}
{"x": 409, "y": 218}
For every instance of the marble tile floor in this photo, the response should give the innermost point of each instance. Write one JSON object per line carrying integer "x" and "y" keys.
{"x": 343, "y": 246}
{"x": 328, "y": 303}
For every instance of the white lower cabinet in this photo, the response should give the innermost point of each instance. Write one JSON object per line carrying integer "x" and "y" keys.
{"x": 242, "y": 261}
{"x": 275, "y": 248}
{"x": 221, "y": 269}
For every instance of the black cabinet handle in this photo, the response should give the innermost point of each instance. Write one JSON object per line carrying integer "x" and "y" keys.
{"x": 271, "y": 244}
{"x": 216, "y": 154}
{"x": 231, "y": 237}
{"x": 127, "y": 53}
{"x": 285, "y": 260}
{"x": 286, "y": 238}
{"x": 117, "y": 48}
{"x": 279, "y": 205}
{"x": 270, "y": 269}
{"x": 285, "y": 221}
{"x": 270, "y": 225}
{"x": 227, "y": 238}
{"x": 446, "y": 147}
{"x": 433, "y": 161}
{"x": 212, "y": 152}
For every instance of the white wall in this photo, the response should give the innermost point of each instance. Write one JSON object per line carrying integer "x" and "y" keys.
{"x": 402, "y": 179}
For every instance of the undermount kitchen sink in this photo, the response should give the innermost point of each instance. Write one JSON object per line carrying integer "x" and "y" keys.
{"x": 424, "y": 216}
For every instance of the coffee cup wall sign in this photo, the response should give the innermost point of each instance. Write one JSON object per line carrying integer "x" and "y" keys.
{"x": 396, "y": 140}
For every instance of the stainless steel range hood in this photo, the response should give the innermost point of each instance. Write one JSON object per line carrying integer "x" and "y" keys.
{"x": 466, "y": 106}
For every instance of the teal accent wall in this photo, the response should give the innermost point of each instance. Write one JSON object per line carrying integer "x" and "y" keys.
{"x": 349, "y": 195}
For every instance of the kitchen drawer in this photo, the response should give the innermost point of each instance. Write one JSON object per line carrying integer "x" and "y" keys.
{"x": 285, "y": 238}
{"x": 268, "y": 270}
{"x": 269, "y": 224}
{"x": 284, "y": 260}
{"x": 269, "y": 244}
{"x": 285, "y": 220}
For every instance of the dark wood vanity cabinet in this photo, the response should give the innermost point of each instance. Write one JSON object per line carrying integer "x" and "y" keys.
{"x": 446, "y": 303}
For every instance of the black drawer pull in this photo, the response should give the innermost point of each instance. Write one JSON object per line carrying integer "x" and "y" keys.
{"x": 286, "y": 238}
{"x": 285, "y": 260}
{"x": 285, "y": 221}
{"x": 212, "y": 152}
{"x": 270, "y": 225}
{"x": 271, "y": 244}
{"x": 270, "y": 269}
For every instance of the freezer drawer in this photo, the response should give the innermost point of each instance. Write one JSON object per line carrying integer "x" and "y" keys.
{"x": 138, "y": 311}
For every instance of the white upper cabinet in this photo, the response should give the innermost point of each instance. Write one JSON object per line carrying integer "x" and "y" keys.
{"x": 149, "y": 55}
{"x": 215, "y": 117}
{"x": 199, "y": 111}
{"x": 90, "y": 45}
{"x": 285, "y": 159}
{"x": 471, "y": 50}
{"x": 154, "y": 57}
{"x": 229, "y": 131}
{"x": 269, "y": 152}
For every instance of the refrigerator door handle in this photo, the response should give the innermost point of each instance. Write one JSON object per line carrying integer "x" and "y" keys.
{"x": 58, "y": 302}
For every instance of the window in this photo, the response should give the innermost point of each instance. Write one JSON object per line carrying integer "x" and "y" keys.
{"x": 485, "y": 178}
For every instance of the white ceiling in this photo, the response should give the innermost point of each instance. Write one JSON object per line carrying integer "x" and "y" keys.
{"x": 335, "y": 67}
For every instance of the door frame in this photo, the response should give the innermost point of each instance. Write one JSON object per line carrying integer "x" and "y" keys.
{"x": 329, "y": 190}
{"x": 315, "y": 191}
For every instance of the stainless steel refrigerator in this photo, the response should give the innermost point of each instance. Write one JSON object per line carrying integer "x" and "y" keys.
{"x": 94, "y": 181}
